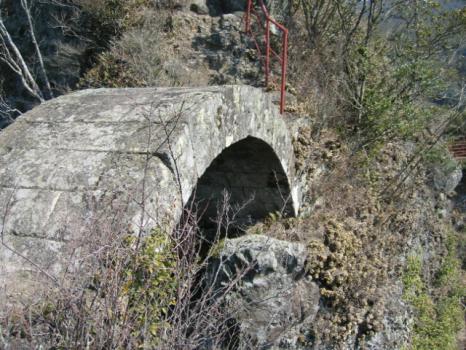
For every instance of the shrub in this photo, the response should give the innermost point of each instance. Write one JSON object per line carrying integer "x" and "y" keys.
{"x": 369, "y": 75}
{"x": 131, "y": 292}
{"x": 114, "y": 16}
{"x": 150, "y": 286}
{"x": 138, "y": 58}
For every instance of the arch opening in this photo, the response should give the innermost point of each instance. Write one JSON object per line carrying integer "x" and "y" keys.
{"x": 246, "y": 182}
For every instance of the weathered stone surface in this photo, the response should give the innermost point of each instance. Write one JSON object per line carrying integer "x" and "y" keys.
{"x": 397, "y": 322}
{"x": 138, "y": 153}
{"x": 275, "y": 299}
{"x": 446, "y": 180}
{"x": 199, "y": 6}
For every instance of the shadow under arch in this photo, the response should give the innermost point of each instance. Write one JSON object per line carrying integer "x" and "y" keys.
{"x": 256, "y": 184}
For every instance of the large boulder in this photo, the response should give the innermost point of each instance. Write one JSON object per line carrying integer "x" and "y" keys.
{"x": 275, "y": 299}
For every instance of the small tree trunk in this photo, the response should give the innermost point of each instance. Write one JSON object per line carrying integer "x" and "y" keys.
{"x": 48, "y": 89}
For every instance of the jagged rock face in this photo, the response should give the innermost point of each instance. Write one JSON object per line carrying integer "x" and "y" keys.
{"x": 275, "y": 298}
{"x": 213, "y": 50}
{"x": 213, "y": 45}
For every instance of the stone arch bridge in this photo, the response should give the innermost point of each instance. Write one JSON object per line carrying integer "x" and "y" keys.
{"x": 138, "y": 156}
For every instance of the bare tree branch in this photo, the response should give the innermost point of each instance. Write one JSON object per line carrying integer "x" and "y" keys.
{"x": 11, "y": 56}
{"x": 48, "y": 89}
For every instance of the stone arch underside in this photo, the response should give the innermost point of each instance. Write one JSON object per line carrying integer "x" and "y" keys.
{"x": 134, "y": 155}
{"x": 249, "y": 179}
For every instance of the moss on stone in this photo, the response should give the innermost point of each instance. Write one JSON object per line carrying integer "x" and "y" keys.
{"x": 216, "y": 249}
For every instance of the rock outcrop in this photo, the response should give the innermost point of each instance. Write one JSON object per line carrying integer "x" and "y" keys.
{"x": 275, "y": 299}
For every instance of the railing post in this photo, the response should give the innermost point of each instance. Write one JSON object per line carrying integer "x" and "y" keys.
{"x": 284, "y": 65}
{"x": 248, "y": 16}
{"x": 267, "y": 51}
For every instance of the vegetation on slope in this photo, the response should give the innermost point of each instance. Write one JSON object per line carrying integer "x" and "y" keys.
{"x": 439, "y": 312}
{"x": 359, "y": 239}
{"x": 373, "y": 81}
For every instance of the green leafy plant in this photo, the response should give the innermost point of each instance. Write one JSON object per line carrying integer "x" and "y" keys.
{"x": 151, "y": 285}
{"x": 438, "y": 310}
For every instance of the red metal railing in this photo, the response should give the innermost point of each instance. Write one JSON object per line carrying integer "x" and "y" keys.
{"x": 269, "y": 53}
{"x": 458, "y": 148}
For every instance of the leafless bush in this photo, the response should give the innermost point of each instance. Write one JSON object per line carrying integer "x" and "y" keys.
{"x": 143, "y": 56}
{"x": 123, "y": 294}
{"x": 144, "y": 50}
{"x": 171, "y": 4}
{"x": 11, "y": 57}
{"x": 315, "y": 73}
{"x": 7, "y": 113}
